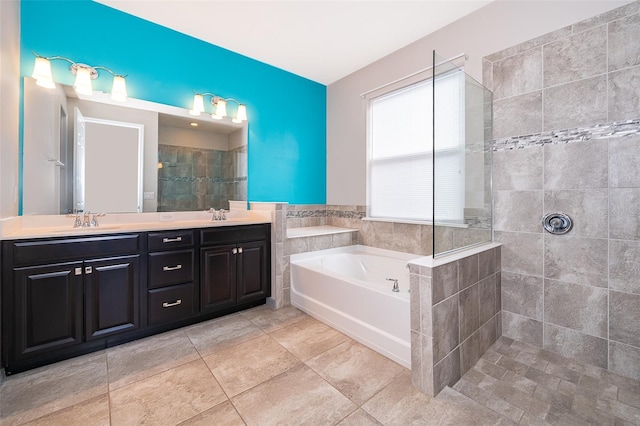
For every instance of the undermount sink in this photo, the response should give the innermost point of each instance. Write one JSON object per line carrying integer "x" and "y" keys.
{"x": 86, "y": 229}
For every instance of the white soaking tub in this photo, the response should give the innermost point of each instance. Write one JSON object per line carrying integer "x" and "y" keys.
{"x": 347, "y": 288}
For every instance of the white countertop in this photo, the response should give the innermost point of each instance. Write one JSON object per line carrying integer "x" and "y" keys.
{"x": 47, "y": 226}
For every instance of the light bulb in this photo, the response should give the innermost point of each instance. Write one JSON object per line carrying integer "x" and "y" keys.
{"x": 241, "y": 114}
{"x": 198, "y": 105}
{"x": 83, "y": 81}
{"x": 221, "y": 109}
{"x": 42, "y": 73}
{"x": 119, "y": 89}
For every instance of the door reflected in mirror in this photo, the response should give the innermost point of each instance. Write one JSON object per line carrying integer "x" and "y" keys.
{"x": 183, "y": 162}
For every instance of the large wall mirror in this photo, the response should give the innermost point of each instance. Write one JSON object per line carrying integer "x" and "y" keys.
{"x": 95, "y": 154}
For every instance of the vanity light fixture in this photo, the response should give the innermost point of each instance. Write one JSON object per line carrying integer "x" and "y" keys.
{"x": 220, "y": 107}
{"x": 84, "y": 74}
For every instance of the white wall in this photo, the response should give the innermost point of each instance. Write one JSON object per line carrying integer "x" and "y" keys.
{"x": 41, "y": 143}
{"x": 494, "y": 27}
{"x": 9, "y": 102}
{"x": 193, "y": 138}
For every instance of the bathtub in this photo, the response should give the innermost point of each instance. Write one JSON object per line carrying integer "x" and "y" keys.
{"x": 347, "y": 289}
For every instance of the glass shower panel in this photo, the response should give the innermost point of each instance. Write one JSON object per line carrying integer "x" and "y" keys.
{"x": 462, "y": 159}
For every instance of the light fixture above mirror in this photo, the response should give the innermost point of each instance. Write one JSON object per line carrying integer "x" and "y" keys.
{"x": 219, "y": 107}
{"x": 84, "y": 74}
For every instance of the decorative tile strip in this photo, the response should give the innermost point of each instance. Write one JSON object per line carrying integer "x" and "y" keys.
{"x": 346, "y": 214}
{"x": 302, "y": 214}
{"x": 202, "y": 179}
{"x": 581, "y": 134}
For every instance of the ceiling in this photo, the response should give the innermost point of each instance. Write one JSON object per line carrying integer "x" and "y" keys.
{"x": 321, "y": 40}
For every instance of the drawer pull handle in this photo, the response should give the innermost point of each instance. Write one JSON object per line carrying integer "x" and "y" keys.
{"x": 168, "y": 305}
{"x": 171, "y": 240}
{"x": 171, "y": 268}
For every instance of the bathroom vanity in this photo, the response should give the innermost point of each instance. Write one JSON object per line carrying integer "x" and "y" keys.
{"x": 68, "y": 295}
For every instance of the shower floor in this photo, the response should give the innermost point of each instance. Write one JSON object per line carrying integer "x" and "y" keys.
{"x": 532, "y": 386}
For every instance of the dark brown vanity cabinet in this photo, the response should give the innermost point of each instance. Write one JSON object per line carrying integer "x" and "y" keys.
{"x": 112, "y": 288}
{"x": 171, "y": 290}
{"x": 61, "y": 293}
{"x": 47, "y": 308}
{"x": 66, "y": 296}
{"x": 235, "y": 266}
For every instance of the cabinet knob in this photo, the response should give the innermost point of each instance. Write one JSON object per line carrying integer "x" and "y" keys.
{"x": 234, "y": 250}
{"x": 78, "y": 271}
{"x": 239, "y": 249}
{"x": 88, "y": 270}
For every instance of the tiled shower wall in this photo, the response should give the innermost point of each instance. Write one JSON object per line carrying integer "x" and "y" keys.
{"x": 199, "y": 179}
{"x": 455, "y": 317}
{"x": 576, "y": 294}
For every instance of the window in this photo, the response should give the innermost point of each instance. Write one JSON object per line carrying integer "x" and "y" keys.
{"x": 401, "y": 156}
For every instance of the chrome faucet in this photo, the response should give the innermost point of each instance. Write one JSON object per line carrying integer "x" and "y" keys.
{"x": 395, "y": 284}
{"x": 218, "y": 215}
{"x": 85, "y": 221}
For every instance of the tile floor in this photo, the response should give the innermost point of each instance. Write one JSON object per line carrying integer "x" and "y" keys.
{"x": 266, "y": 367}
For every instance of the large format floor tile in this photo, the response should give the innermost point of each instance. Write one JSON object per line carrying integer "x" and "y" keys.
{"x": 35, "y": 393}
{"x": 93, "y": 412}
{"x": 221, "y": 333}
{"x": 355, "y": 370}
{"x": 308, "y": 338}
{"x": 298, "y": 396}
{"x": 222, "y": 414}
{"x": 140, "y": 359}
{"x": 283, "y": 367}
{"x": 269, "y": 320}
{"x": 167, "y": 398}
{"x": 248, "y": 364}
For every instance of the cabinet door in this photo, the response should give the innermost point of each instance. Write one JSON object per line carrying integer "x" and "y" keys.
{"x": 218, "y": 277}
{"x": 112, "y": 288}
{"x": 48, "y": 308}
{"x": 252, "y": 271}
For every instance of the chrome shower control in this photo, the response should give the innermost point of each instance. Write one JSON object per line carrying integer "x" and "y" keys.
{"x": 557, "y": 223}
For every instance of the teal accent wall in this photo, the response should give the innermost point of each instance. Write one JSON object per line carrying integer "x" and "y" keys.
{"x": 287, "y": 113}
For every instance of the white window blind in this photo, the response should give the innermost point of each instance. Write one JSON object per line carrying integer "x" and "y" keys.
{"x": 400, "y": 181}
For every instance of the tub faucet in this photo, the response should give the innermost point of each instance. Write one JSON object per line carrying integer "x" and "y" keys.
{"x": 395, "y": 284}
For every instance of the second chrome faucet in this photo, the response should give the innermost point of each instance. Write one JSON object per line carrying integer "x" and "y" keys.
{"x": 218, "y": 215}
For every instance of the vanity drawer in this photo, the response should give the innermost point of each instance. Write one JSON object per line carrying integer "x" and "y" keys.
{"x": 34, "y": 252}
{"x": 235, "y": 234}
{"x": 170, "y": 267}
{"x": 170, "y": 239}
{"x": 170, "y": 304}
